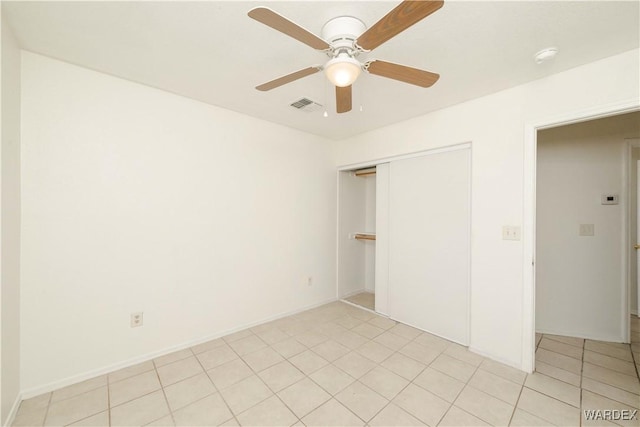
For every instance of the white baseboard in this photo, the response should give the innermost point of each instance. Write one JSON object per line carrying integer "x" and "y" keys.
{"x": 35, "y": 391}
{"x": 359, "y": 306}
{"x": 13, "y": 412}
{"x": 495, "y": 358}
{"x": 634, "y": 312}
{"x": 359, "y": 291}
{"x": 580, "y": 335}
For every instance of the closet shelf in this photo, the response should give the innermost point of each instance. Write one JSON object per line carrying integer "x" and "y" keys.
{"x": 366, "y": 172}
{"x": 364, "y": 236}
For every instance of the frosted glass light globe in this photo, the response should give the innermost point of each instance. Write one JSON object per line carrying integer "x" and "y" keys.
{"x": 342, "y": 71}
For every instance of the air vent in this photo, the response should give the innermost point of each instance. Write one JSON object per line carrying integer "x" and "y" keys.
{"x": 306, "y": 105}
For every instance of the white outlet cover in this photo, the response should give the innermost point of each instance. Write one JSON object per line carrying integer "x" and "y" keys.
{"x": 137, "y": 319}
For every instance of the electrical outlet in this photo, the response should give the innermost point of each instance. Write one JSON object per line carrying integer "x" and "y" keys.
{"x": 309, "y": 280}
{"x": 136, "y": 319}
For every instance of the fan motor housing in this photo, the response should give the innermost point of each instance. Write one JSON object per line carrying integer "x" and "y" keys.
{"x": 342, "y": 32}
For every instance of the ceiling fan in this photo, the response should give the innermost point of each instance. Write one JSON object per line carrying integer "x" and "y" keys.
{"x": 344, "y": 38}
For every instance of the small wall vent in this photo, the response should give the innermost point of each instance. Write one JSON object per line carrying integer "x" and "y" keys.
{"x": 306, "y": 105}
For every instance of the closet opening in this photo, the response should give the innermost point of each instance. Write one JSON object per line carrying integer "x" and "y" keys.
{"x": 358, "y": 236}
{"x": 404, "y": 239}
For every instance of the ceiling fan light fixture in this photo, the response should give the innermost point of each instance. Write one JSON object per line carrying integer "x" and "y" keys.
{"x": 342, "y": 70}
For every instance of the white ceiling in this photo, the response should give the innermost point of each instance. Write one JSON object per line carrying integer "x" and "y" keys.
{"x": 213, "y": 52}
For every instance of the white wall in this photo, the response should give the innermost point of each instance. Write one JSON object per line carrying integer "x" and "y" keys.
{"x": 10, "y": 212}
{"x": 581, "y": 281}
{"x": 138, "y": 200}
{"x": 495, "y": 125}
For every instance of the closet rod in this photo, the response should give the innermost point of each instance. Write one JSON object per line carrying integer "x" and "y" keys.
{"x": 359, "y": 236}
{"x": 366, "y": 172}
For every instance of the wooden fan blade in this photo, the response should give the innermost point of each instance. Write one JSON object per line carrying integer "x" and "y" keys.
{"x": 343, "y": 99}
{"x": 278, "y": 22}
{"x": 288, "y": 78}
{"x": 399, "y": 19}
{"x": 403, "y": 73}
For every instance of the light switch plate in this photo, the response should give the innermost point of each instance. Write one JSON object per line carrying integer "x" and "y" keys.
{"x": 586, "y": 230}
{"x": 510, "y": 232}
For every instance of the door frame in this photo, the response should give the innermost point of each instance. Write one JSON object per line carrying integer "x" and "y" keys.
{"x": 529, "y": 214}
{"x": 631, "y": 253}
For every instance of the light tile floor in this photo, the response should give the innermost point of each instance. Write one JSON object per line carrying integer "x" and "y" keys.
{"x": 340, "y": 365}
{"x": 363, "y": 299}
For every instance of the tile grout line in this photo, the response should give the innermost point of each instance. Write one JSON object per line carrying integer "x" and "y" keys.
{"x": 333, "y": 396}
{"x": 46, "y": 413}
{"x": 78, "y": 394}
{"x": 582, "y": 362}
{"x": 257, "y": 374}
{"x": 108, "y": 400}
{"x": 610, "y": 397}
{"x": 553, "y": 378}
{"x": 548, "y": 395}
{"x": 635, "y": 362}
{"x": 609, "y": 355}
{"x": 581, "y": 389}
{"x": 560, "y": 379}
{"x": 75, "y": 396}
{"x": 554, "y": 398}
{"x": 581, "y": 409}
{"x": 215, "y": 387}
{"x": 50, "y": 400}
{"x": 496, "y": 397}
{"x": 549, "y": 337}
{"x": 166, "y": 401}
{"x": 477, "y": 368}
{"x": 276, "y": 393}
{"x": 235, "y": 417}
{"x": 561, "y": 354}
{"x": 428, "y": 365}
{"x": 311, "y": 379}
{"x": 390, "y": 401}
{"x": 466, "y": 384}
{"x": 159, "y": 382}
{"x": 515, "y": 406}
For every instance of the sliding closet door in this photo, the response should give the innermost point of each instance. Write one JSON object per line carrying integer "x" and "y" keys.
{"x": 429, "y": 243}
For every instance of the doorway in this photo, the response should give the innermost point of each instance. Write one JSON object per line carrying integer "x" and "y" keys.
{"x": 634, "y": 221}
{"x": 529, "y": 208}
{"x": 582, "y": 212}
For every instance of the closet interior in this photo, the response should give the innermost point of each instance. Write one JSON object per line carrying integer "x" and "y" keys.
{"x": 358, "y": 236}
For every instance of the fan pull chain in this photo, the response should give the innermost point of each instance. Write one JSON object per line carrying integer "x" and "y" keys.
{"x": 363, "y": 90}
{"x": 326, "y": 85}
